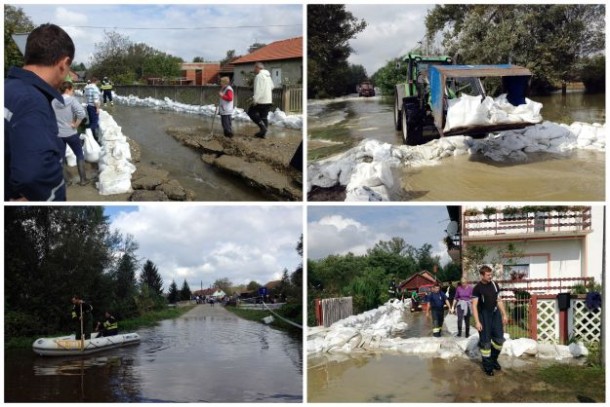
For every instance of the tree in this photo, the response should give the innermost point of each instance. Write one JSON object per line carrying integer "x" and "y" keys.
{"x": 173, "y": 295}
{"x": 255, "y": 46}
{"x": 15, "y": 21}
{"x": 198, "y": 59}
{"x": 330, "y": 27}
{"x": 253, "y": 286}
{"x": 228, "y": 58}
{"x": 125, "y": 280}
{"x": 185, "y": 291}
{"x": 162, "y": 65}
{"x": 472, "y": 258}
{"x": 151, "y": 278}
{"x": 593, "y": 74}
{"x": 52, "y": 254}
{"x": 548, "y": 39}
{"x": 224, "y": 284}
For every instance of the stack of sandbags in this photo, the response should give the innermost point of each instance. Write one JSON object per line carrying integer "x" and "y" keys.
{"x": 114, "y": 163}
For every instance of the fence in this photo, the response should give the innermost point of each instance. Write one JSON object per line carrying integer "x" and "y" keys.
{"x": 330, "y": 310}
{"x": 288, "y": 99}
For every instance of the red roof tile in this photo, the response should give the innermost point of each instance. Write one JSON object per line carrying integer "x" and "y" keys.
{"x": 285, "y": 49}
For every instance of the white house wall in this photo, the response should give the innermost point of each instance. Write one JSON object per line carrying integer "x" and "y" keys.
{"x": 595, "y": 243}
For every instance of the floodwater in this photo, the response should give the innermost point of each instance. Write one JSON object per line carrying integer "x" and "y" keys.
{"x": 203, "y": 356}
{"x": 394, "y": 377}
{"x": 148, "y": 128}
{"x": 337, "y": 126}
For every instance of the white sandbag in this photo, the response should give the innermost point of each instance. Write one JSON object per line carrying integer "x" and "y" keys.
{"x": 70, "y": 157}
{"x": 90, "y": 147}
{"x": 113, "y": 181}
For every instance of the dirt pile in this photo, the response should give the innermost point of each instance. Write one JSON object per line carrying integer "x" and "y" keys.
{"x": 261, "y": 163}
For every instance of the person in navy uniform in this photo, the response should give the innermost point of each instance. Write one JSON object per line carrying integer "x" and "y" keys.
{"x": 490, "y": 317}
{"x": 437, "y": 300}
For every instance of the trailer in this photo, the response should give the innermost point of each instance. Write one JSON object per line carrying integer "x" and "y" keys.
{"x": 422, "y": 102}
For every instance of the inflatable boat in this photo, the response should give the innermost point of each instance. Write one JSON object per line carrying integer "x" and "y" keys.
{"x": 69, "y": 345}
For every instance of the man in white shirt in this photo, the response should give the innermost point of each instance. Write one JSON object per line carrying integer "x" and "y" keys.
{"x": 261, "y": 101}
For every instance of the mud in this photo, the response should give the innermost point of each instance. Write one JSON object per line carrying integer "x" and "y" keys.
{"x": 262, "y": 163}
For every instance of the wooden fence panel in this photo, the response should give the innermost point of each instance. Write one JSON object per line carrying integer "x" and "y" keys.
{"x": 335, "y": 309}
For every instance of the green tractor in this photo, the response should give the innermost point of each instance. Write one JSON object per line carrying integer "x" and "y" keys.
{"x": 421, "y": 102}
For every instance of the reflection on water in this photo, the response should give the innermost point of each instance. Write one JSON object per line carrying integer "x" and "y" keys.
{"x": 192, "y": 359}
{"x": 393, "y": 377}
{"x": 573, "y": 107}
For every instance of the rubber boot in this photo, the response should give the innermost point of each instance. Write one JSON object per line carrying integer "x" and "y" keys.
{"x": 266, "y": 122}
{"x": 459, "y": 332}
{"x": 97, "y": 135}
{"x": 467, "y": 330}
{"x": 263, "y": 131}
{"x": 82, "y": 173}
{"x": 494, "y": 359}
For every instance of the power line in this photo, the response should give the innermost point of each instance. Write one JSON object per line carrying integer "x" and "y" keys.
{"x": 182, "y": 28}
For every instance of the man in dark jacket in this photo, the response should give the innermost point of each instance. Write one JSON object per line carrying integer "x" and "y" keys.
{"x": 32, "y": 150}
{"x": 81, "y": 317}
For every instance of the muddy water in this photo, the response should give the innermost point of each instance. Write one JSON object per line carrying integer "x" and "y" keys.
{"x": 393, "y": 377}
{"x": 147, "y": 127}
{"x": 196, "y": 358}
{"x": 337, "y": 126}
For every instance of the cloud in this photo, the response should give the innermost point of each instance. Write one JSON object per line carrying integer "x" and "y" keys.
{"x": 336, "y": 234}
{"x": 392, "y": 30}
{"x": 206, "y": 243}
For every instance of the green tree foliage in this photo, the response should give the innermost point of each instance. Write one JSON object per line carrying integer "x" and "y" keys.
{"x": 366, "y": 278}
{"x": 593, "y": 74}
{"x": 173, "y": 295}
{"x": 389, "y": 75}
{"x": 330, "y": 27}
{"x": 224, "y": 284}
{"x": 547, "y": 39}
{"x": 198, "y": 59}
{"x": 125, "y": 62}
{"x": 124, "y": 276}
{"x": 151, "y": 278}
{"x": 253, "y": 286}
{"x": 472, "y": 259}
{"x": 162, "y": 65}
{"x": 228, "y": 58}
{"x": 255, "y": 46}
{"x": 53, "y": 253}
{"x": 15, "y": 21}
{"x": 185, "y": 292}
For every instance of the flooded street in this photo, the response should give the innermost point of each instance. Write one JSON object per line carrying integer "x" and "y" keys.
{"x": 148, "y": 128}
{"x": 394, "y": 377}
{"x": 207, "y": 355}
{"x": 340, "y": 125}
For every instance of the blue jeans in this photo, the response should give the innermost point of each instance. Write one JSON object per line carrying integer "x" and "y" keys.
{"x": 74, "y": 142}
{"x": 94, "y": 118}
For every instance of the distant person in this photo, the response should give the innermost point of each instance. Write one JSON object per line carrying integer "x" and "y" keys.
{"x": 69, "y": 116}
{"x": 463, "y": 304}
{"x": 489, "y": 317}
{"x": 437, "y": 301}
{"x": 78, "y": 305}
{"x": 32, "y": 151}
{"x": 261, "y": 101}
{"x": 106, "y": 87}
{"x": 225, "y": 106}
{"x": 92, "y": 96}
{"x": 414, "y": 300}
{"x": 109, "y": 327}
{"x": 451, "y": 293}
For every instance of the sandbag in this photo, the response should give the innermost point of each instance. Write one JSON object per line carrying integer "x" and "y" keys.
{"x": 90, "y": 147}
{"x": 70, "y": 157}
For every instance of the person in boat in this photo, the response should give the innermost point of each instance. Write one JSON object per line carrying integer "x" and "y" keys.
{"x": 78, "y": 305}
{"x": 437, "y": 300}
{"x": 109, "y": 326}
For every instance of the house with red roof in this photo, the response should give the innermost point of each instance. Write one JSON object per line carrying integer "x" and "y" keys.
{"x": 283, "y": 59}
{"x": 201, "y": 73}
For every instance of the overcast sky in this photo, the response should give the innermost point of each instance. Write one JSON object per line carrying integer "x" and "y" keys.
{"x": 343, "y": 229}
{"x": 169, "y": 27}
{"x": 392, "y": 31}
{"x": 205, "y": 243}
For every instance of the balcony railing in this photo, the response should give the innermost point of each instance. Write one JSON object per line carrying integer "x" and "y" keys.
{"x": 527, "y": 223}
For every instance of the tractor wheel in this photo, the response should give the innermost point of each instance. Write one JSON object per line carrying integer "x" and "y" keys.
{"x": 411, "y": 132}
{"x": 397, "y": 114}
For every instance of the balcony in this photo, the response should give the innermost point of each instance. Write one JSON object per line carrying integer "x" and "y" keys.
{"x": 526, "y": 223}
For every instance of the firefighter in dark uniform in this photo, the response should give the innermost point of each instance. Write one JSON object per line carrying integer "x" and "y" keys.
{"x": 110, "y": 326}
{"x": 437, "y": 300}
{"x": 79, "y": 304}
{"x": 489, "y": 316}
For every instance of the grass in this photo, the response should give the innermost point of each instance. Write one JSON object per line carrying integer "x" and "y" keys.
{"x": 587, "y": 381}
{"x": 127, "y": 325}
{"x": 258, "y": 315}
